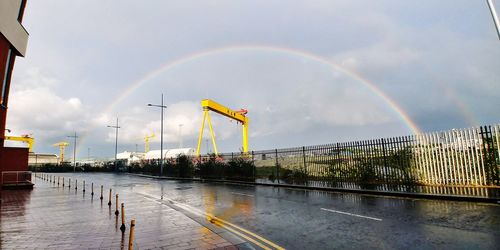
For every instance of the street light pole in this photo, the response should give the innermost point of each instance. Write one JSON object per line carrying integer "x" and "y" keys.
{"x": 74, "y": 150}
{"x": 494, "y": 16}
{"x": 116, "y": 127}
{"x": 161, "y": 131}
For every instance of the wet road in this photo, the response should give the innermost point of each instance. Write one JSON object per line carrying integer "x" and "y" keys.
{"x": 299, "y": 219}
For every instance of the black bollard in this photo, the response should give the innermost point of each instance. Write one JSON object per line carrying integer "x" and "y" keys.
{"x": 116, "y": 202}
{"x": 123, "y": 219}
{"x": 109, "y": 202}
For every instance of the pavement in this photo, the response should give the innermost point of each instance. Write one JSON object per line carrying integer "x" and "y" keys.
{"x": 56, "y": 217}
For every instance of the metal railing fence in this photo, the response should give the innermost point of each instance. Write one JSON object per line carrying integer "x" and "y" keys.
{"x": 458, "y": 157}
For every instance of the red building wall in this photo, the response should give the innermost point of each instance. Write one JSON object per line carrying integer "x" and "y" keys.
{"x": 11, "y": 159}
{"x": 4, "y": 49}
{"x": 16, "y": 159}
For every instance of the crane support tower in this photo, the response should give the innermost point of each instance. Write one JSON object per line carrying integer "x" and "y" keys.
{"x": 239, "y": 116}
{"x": 146, "y": 142}
{"x": 62, "y": 147}
{"x": 24, "y": 138}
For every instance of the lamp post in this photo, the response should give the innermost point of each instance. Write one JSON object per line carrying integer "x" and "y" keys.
{"x": 74, "y": 150}
{"x": 494, "y": 16}
{"x": 162, "y": 107}
{"x": 116, "y": 127}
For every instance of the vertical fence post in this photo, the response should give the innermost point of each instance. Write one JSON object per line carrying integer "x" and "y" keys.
{"x": 304, "y": 159}
{"x": 497, "y": 155}
{"x": 277, "y": 165}
{"x": 384, "y": 157}
{"x": 253, "y": 167}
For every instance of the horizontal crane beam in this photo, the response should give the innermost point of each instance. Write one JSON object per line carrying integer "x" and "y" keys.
{"x": 225, "y": 111}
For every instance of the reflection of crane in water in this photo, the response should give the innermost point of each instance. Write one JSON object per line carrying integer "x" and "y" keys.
{"x": 241, "y": 206}
{"x": 239, "y": 116}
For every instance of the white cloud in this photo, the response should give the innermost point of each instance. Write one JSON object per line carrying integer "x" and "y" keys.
{"x": 35, "y": 108}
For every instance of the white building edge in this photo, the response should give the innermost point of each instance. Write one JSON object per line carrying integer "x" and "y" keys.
{"x": 132, "y": 157}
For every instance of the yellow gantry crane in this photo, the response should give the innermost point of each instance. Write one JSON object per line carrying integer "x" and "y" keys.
{"x": 62, "y": 148}
{"x": 239, "y": 116}
{"x": 23, "y": 138}
{"x": 146, "y": 142}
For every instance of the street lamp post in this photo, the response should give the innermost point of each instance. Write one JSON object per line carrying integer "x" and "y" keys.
{"x": 116, "y": 127}
{"x": 162, "y": 107}
{"x": 494, "y": 16}
{"x": 74, "y": 150}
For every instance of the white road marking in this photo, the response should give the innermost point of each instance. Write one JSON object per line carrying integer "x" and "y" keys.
{"x": 243, "y": 194}
{"x": 351, "y": 214}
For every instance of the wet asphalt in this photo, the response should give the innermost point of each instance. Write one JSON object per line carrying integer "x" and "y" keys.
{"x": 304, "y": 219}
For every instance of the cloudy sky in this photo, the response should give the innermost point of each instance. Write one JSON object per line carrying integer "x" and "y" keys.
{"x": 309, "y": 72}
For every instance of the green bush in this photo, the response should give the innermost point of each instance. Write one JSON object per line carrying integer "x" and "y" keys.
{"x": 213, "y": 167}
{"x": 184, "y": 166}
{"x": 240, "y": 168}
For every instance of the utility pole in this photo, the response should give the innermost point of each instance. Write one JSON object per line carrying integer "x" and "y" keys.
{"x": 116, "y": 127}
{"x": 74, "y": 150}
{"x": 162, "y": 107}
{"x": 88, "y": 154}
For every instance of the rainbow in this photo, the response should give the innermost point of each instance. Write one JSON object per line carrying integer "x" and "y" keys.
{"x": 403, "y": 116}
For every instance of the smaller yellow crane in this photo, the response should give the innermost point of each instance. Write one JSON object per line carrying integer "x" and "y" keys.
{"x": 23, "y": 138}
{"x": 146, "y": 142}
{"x": 62, "y": 148}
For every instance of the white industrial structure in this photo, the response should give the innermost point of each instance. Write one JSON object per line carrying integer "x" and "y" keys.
{"x": 40, "y": 159}
{"x": 169, "y": 153}
{"x": 132, "y": 157}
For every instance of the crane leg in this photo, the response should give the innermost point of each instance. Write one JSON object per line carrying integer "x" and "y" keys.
{"x": 205, "y": 113}
{"x": 245, "y": 138}
{"x": 212, "y": 134}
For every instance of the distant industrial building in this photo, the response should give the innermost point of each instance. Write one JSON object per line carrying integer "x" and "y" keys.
{"x": 41, "y": 159}
{"x": 13, "y": 42}
{"x": 130, "y": 157}
{"x": 169, "y": 153}
{"x": 135, "y": 157}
